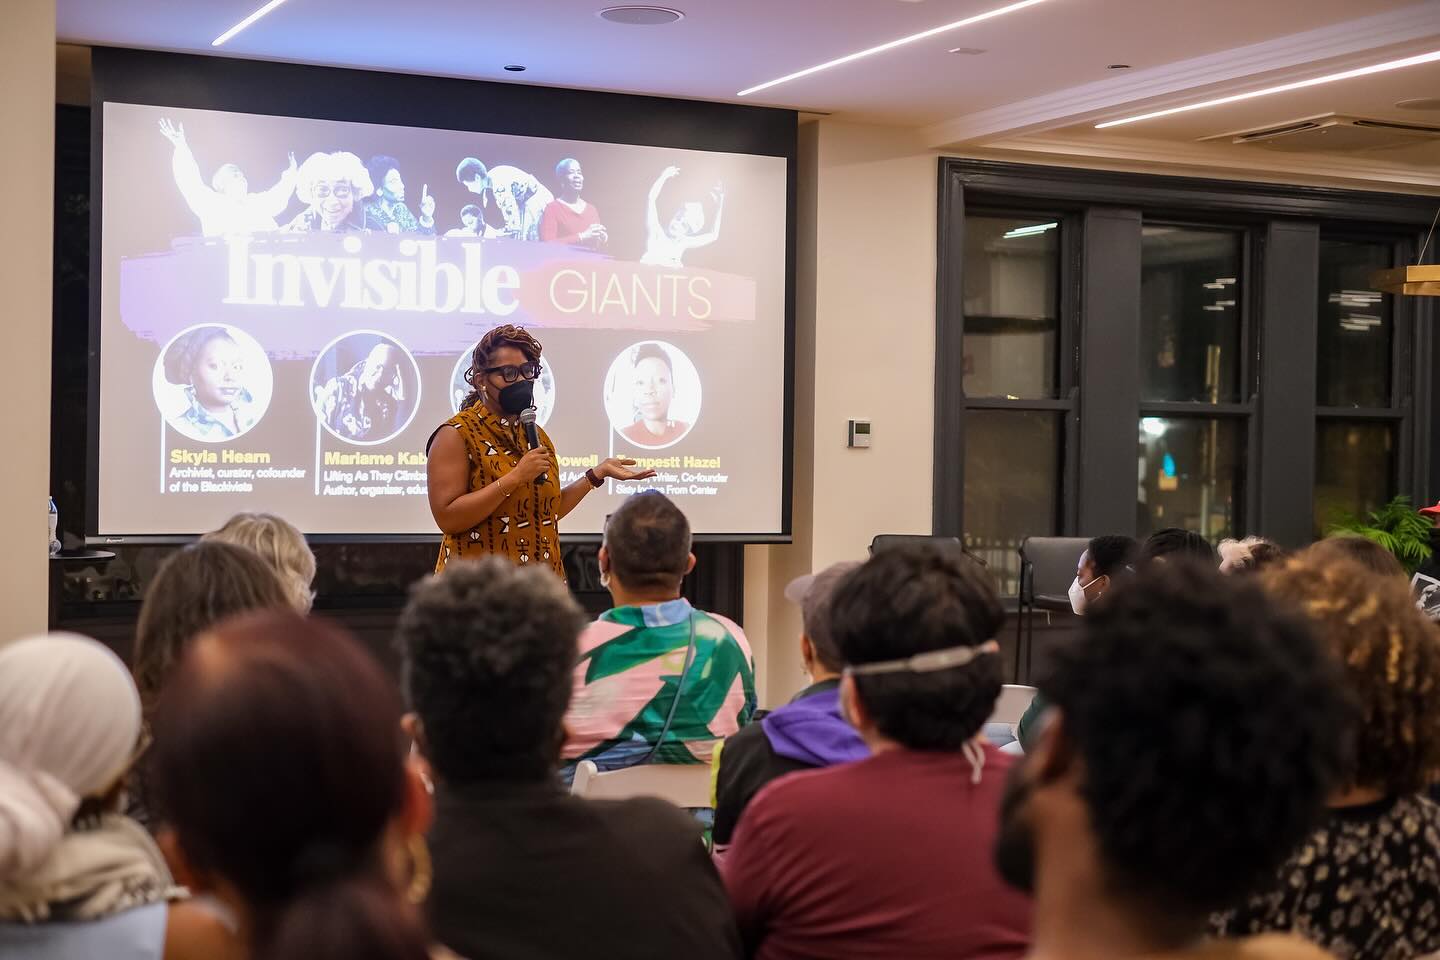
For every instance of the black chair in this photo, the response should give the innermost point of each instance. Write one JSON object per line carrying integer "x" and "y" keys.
{"x": 889, "y": 541}
{"x": 1047, "y": 568}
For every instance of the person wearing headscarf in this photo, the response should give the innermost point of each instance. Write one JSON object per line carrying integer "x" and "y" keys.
{"x": 78, "y": 880}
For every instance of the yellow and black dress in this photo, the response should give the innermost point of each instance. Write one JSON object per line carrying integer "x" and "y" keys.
{"x": 525, "y": 527}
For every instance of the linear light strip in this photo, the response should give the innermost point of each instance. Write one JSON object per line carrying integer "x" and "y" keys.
{"x": 246, "y": 22}
{"x": 850, "y": 57}
{"x": 1416, "y": 60}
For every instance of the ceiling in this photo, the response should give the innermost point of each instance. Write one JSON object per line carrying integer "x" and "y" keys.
{"x": 1037, "y": 89}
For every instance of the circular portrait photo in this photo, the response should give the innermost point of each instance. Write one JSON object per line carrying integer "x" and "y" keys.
{"x": 652, "y": 394}
{"x": 212, "y": 382}
{"x": 365, "y": 387}
{"x": 460, "y": 388}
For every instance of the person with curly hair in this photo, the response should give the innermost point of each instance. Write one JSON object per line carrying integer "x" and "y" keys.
{"x": 490, "y": 493}
{"x": 329, "y": 184}
{"x": 280, "y": 544}
{"x": 521, "y": 867}
{"x": 1362, "y": 550}
{"x": 1250, "y": 556}
{"x": 209, "y": 365}
{"x": 888, "y": 856}
{"x": 1365, "y": 884}
{"x": 1195, "y": 732}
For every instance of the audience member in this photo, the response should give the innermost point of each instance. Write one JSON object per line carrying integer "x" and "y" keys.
{"x": 1251, "y": 555}
{"x": 1172, "y": 543}
{"x": 488, "y": 649}
{"x": 281, "y": 545}
{"x": 279, "y": 762}
{"x": 888, "y": 856}
{"x": 196, "y": 587}
{"x": 808, "y": 732}
{"x": 1366, "y": 883}
{"x": 657, "y": 681}
{"x": 1364, "y": 551}
{"x": 1431, "y": 566}
{"x": 1106, "y": 562}
{"x": 1194, "y": 736}
{"x": 78, "y": 881}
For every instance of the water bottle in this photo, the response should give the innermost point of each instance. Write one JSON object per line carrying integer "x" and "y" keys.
{"x": 54, "y": 528}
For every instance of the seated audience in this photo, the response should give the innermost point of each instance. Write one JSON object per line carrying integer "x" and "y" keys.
{"x": 280, "y": 766}
{"x": 1364, "y": 551}
{"x": 280, "y": 545}
{"x": 1107, "y": 562}
{"x": 1172, "y": 543}
{"x": 657, "y": 681}
{"x": 1366, "y": 884}
{"x": 809, "y": 731}
{"x": 1194, "y": 736}
{"x": 1251, "y": 555}
{"x": 890, "y": 856}
{"x": 78, "y": 880}
{"x": 522, "y": 869}
{"x": 196, "y": 587}
{"x": 1431, "y": 566}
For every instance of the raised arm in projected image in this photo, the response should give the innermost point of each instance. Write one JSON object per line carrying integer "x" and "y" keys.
{"x": 226, "y": 206}
{"x": 666, "y": 243}
{"x": 386, "y": 210}
{"x": 212, "y": 383}
{"x": 329, "y": 184}
{"x": 570, "y": 218}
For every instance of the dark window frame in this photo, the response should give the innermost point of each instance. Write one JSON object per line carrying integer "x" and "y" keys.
{"x": 1281, "y": 224}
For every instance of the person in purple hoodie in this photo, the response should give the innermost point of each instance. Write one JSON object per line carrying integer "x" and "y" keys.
{"x": 806, "y": 733}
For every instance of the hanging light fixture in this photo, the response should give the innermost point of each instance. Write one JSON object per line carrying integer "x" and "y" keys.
{"x": 1416, "y": 280}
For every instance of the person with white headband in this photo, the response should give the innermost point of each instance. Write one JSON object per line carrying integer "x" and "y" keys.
{"x": 77, "y": 879}
{"x": 889, "y": 856}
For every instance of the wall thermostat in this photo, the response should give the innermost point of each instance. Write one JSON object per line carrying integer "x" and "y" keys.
{"x": 859, "y": 433}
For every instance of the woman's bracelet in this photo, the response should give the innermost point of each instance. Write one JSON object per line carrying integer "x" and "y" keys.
{"x": 594, "y": 478}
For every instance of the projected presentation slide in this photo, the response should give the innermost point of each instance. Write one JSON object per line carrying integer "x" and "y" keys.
{"x": 289, "y": 305}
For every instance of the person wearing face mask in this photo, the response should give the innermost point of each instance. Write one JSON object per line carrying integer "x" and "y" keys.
{"x": 483, "y": 487}
{"x": 1106, "y": 561}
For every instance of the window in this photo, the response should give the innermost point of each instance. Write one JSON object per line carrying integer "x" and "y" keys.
{"x": 1194, "y": 407}
{"x": 1014, "y": 419}
{"x": 1012, "y": 458}
{"x": 1190, "y": 316}
{"x": 1359, "y": 413}
{"x": 1191, "y": 475}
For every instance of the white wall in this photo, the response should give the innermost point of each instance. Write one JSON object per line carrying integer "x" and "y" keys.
{"x": 865, "y": 348}
{"x": 27, "y": 115}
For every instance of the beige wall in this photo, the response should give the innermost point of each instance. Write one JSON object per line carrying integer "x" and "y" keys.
{"x": 27, "y": 115}
{"x": 865, "y": 348}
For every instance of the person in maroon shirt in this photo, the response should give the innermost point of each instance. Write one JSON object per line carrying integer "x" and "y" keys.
{"x": 570, "y": 218}
{"x": 890, "y": 857}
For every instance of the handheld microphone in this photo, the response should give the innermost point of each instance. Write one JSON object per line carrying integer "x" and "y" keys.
{"x": 532, "y": 436}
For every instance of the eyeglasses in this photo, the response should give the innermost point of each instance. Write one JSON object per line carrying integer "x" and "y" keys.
{"x": 511, "y": 372}
{"x": 340, "y": 190}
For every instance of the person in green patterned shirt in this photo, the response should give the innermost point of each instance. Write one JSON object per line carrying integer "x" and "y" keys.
{"x": 657, "y": 681}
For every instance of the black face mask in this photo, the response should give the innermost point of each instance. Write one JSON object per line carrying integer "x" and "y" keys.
{"x": 1014, "y": 853}
{"x": 518, "y": 396}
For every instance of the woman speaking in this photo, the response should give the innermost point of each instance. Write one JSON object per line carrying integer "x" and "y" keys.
{"x": 482, "y": 474}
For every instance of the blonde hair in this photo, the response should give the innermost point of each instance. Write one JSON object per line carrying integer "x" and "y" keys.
{"x": 280, "y": 545}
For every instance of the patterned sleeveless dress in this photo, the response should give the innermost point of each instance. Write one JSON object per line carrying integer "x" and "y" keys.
{"x": 525, "y": 525}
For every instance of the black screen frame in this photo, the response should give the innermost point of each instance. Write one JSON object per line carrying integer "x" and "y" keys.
{"x": 332, "y": 93}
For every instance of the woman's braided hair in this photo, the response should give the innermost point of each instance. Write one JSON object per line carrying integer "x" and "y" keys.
{"x": 507, "y": 335}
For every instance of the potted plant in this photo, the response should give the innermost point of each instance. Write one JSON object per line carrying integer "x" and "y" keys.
{"x": 1396, "y": 527}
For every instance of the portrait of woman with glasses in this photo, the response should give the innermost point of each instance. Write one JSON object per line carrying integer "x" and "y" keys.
{"x": 489, "y": 492}
{"x": 329, "y": 184}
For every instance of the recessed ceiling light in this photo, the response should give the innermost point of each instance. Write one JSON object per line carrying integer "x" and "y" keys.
{"x": 966, "y": 51}
{"x": 1420, "y": 103}
{"x": 515, "y": 67}
{"x": 246, "y": 22}
{"x": 1416, "y": 60}
{"x": 1118, "y": 66}
{"x": 640, "y": 16}
{"x": 891, "y": 45}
